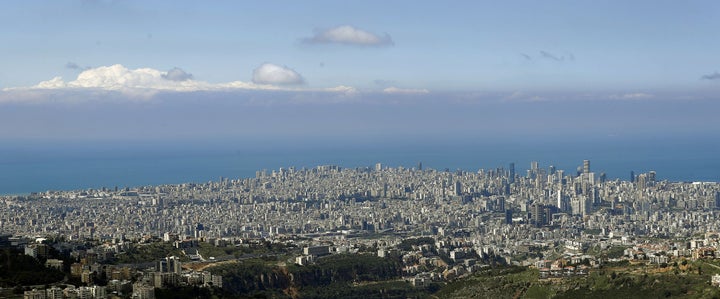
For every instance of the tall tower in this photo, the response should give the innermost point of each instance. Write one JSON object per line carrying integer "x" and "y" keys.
{"x": 538, "y": 215}
{"x": 174, "y": 265}
{"x": 560, "y": 205}
{"x": 651, "y": 177}
{"x": 561, "y": 176}
{"x": 511, "y": 179}
{"x": 586, "y": 166}
{"x": 458, "y": 188}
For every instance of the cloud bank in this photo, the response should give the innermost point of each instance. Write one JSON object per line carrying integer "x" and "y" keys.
{"x": 119, "y": 78}
{"x": 269, "y": 73}
{"x": 144, "y": 83}
{"x": 349, "y": 35}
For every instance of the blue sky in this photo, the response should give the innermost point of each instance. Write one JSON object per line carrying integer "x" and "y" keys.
{"x": 444, "y": 68}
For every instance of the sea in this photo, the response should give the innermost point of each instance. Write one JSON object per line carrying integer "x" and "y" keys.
{"x": 27, "y": 167}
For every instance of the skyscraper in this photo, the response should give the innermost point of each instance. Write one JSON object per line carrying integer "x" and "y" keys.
{"x": 586, "y": 166}
{"x": 511, "y": 178}
{"x": 560, "y": 201}
{"x": 538, "y": 215}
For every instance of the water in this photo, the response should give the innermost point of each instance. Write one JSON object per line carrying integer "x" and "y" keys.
{"x": 42, "y": 167}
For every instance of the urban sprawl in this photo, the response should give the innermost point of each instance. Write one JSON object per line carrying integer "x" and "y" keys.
{"x": 547, "y": 218}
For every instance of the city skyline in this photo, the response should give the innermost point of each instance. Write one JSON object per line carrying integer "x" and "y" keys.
{"x": 435, "y": 226}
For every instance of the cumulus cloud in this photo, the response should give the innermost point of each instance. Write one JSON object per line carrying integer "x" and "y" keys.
{"x": 269, "y": 73}
{"x": 53, "y": 83}
{"x": 119, "y": 78}
{"x": 177, "y": 74}
{"x": 395, "y": 90}
{"x": 349, "y": 35}
{"x": 144, "y": 83}
{"x": 713, "y": 76}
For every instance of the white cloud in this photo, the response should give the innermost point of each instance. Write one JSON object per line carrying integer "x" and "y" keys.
{"x": 520, "y": 96}
{"x": 177, "y": 74}
{"x": 119, "y": 78}
{"x": 349, "y": 35}
{"x": 53, "y": 83}
{"x": 346, "y": 90}
{"x": 144, "y": 83}
{"x": 395, "y": 90}
{"x": 269, "y": 73}
{"x": 632, "y": 96}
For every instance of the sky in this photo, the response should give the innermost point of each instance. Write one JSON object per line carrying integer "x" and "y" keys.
{"x": 358, "y": 70}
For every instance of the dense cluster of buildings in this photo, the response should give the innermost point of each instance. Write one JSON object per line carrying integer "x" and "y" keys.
{"x": 471, "y": 215}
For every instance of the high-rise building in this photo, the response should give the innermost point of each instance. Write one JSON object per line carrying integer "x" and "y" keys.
{"x": 586, "y": 166}
{"x": 538, "y": 214}
{"x": 169, "y": 264}
{"x": 511, "y": 176}
{"x": 561, "y": 202}
{"x": 500, "y": 204}
{"x": 560, "y": 176}
{"x": 641, "y": 180}
{"x": 199, "y": 231}
{"x": 458, "y": 188}
{"x": 651, "y": 177}
{"x": 585, "y": 205}
{"x": 174, "y": 265}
